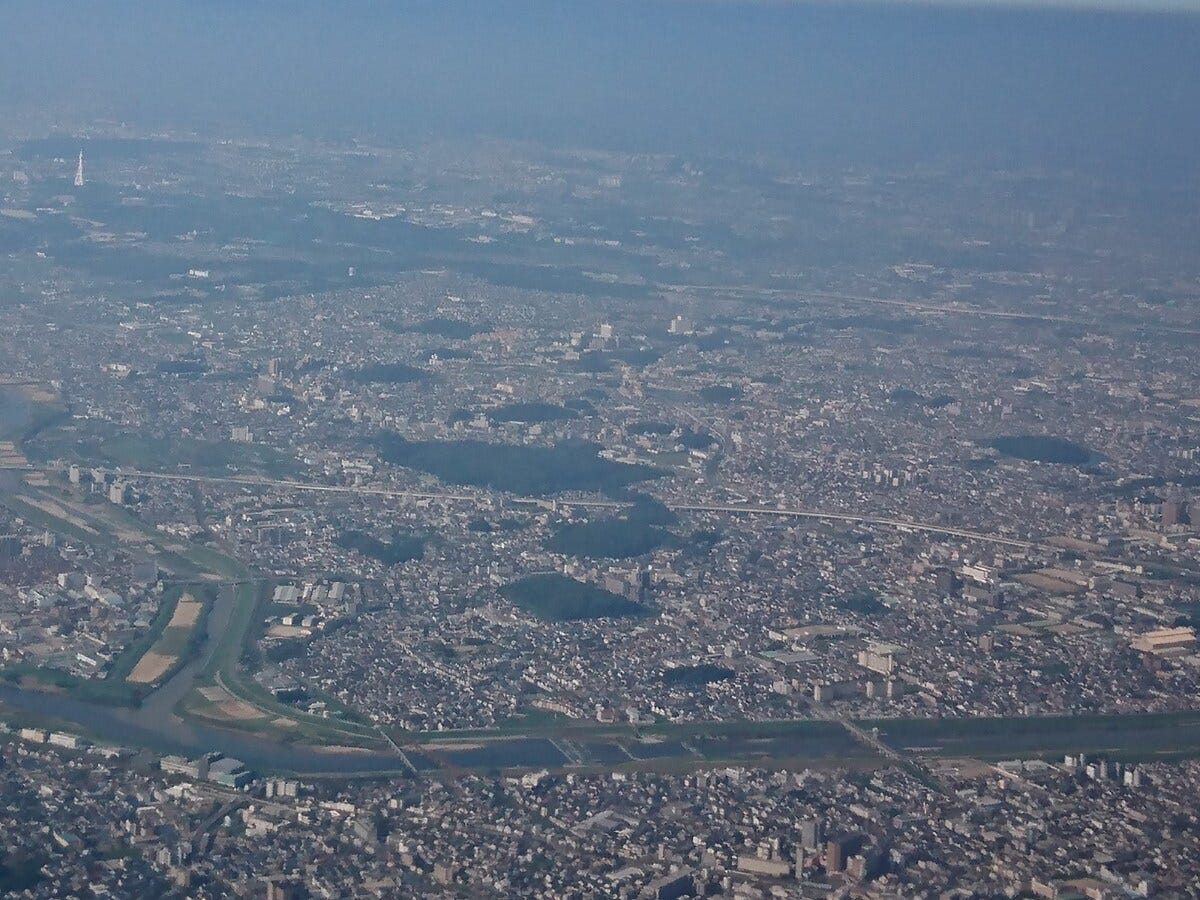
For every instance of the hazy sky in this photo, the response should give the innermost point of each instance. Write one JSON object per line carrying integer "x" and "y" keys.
{"x": 1089, "y": 5}
{"x": 848, "y": 82}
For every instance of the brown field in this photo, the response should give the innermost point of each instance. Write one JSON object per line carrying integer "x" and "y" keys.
{"x": 155, "y": 662}
{"x": 38, "y": 393}
{"x": 151, "y": 667}
{"x": 238, "y": 710}
{"x": 1047, "y": 584}
{"x": 34, "y": 392}
{"x": 187, "y": 611}
{"x": 10, "y": 455}
{"x": 226, "y": 706}
{"x": 59, "y": 512}
{"x": 450, "y": 745}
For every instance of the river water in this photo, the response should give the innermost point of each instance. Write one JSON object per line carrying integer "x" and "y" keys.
{"x": 154, "y": 724}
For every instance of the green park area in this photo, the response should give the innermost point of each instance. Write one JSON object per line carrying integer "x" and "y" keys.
{"x": 517, "y": 468}
{"x": 611, "y": 538}
{"x": 558, "y": 598}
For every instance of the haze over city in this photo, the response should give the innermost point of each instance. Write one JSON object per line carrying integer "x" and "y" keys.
{"x": 638, "y": 449}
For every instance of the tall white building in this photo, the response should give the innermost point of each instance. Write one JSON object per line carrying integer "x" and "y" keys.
{"x": 79, "y": 171}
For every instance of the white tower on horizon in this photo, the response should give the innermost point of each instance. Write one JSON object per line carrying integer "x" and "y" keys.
{"x": 79, "y": 171}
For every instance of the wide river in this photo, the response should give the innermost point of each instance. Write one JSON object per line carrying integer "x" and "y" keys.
{"x": 154, "y": 724}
